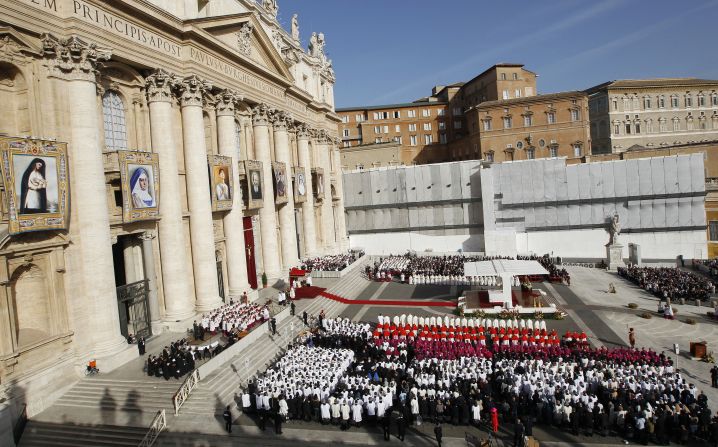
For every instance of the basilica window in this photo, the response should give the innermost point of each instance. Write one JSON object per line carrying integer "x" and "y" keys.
{"x": 490, "y": 156}
{"x": 531, "y": 153}
{"x": 674, "y": 102}
{"x": 676, "y": 124}
{"x": 113, "y": 111}
{"x": 701, "y": 100}
{"x": 553, "y": 151}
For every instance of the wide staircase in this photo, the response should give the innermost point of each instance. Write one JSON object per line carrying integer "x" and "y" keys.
{"x": 110, "y": 412}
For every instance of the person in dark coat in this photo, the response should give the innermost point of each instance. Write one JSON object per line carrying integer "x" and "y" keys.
{"x": 400, "y": 425}
{"x": 518, "y": 433}
{"x": 227, "y": 419}
{"x": 305, "y": 317}
{"x": 386, "y": 425}
{"x": 141, "y": 345}
{"x": 438, "y": 433}
{"x": 292, "y": 308}
{"x": 528, "y": 426}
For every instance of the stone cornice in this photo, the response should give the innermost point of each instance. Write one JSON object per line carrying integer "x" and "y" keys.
{"x": 192, "y": 91}
{"x": 73, "y": 58}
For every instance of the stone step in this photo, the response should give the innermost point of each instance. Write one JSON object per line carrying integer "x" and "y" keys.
{"x": 39, "y": 434}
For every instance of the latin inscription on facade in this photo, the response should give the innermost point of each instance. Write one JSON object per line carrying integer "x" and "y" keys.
{"x": 110, "y": 22}
{"x": 234, "y": 72}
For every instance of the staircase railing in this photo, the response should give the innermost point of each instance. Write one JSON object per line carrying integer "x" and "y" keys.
{"x": 185, "y": 389}
{"x": 158, "y": 424}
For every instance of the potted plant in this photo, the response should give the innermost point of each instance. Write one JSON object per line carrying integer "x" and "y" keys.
{"x": 264, "y": 280}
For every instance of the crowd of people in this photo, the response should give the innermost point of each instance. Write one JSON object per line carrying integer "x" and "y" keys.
{"x": 175, "y": 360}
{"x": 332, "y": 262}
{"x": 449, "y": 270}
{"x": 363, "y": 377}
{"x": 669, "y": 284}
{"x": 234, "y": 318}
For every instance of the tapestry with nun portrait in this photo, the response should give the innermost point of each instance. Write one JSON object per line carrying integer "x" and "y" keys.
{"x": 279, "y": 175}
{"x": 300, "y": 184}
{"x": 255, "y": 193}
{"x": 140, "y": 175}
{"x": 220, "y": 179}
{"x": 37, "y": 184}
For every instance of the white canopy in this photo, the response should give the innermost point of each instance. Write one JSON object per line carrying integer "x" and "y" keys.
{"x": 499, "y": 266}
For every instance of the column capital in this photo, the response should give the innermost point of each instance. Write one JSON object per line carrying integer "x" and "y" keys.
{"x": 159, "y": 86}
{"x": 192, "y": 91}
{"x": 304, "y": 132}
{"x": 280, "y": 120}
{"x": 260, "y": 115}
{"x": 226, "y": 102}
{"x": 73, "y": 58}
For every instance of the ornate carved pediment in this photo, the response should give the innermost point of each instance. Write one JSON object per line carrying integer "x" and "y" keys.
{"x": 244, "y": 38}
{"x": 14, "y": 48}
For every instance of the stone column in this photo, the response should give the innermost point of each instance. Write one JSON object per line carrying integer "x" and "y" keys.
{"x": 341, "y": 216}
{"x": 267, "y": 215}
{"x": 232, "y": 219}
{"x": 128, "y": 255}
{"x": 305, "y": 161}
{"x": 329, "y": 244}
{"x": 192, "y": 91}
{"x": 177, "y": 292}
{"x": 75, "y": 61}
{"x": 148, "y": 259}
{"x": 287, "y": 225}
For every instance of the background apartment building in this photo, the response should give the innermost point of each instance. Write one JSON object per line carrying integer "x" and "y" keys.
{"x": 423, "y": 131}
{"x": 542, "y": 126}
{"x": 413, "y": 132}
{"x": 652, "y": 113}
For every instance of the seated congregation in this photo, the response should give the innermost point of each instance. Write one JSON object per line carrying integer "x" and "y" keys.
{"x": 449, "y": 270}
{"x": 669, "y": 283}
{"x": 332, "y": 262}
{"x": 405, "y": 370}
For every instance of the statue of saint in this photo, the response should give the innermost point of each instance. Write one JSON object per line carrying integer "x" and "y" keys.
{"x": 313, "y": 45}
{"x": 295, "y": 27}
{"x": 614, "y": 229}
{"x": 271, "y": 7}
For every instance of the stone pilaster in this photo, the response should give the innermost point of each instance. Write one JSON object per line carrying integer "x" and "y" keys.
{"x": 267, "y": 214}
{"x": 76, "y": 62}
{"x": 287, "y": 225}
{"x": 192, "y": 91}
{"x": 341, "y": 226}
{"x": 148, "y": 259}
{"x": 329, "y": 244}
{"x": 305, "y": 161}
{"x": 178, "y": 296}
{"x": 232, "y": 220}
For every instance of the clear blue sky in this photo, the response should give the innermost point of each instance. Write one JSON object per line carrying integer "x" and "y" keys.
{"x": 388, "y": 51}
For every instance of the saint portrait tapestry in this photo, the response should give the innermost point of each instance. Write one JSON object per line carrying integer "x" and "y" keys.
{"x": 300, "y": 184}
{"x": 318, "y": 182}
{"x": 220, "y": 178}
{"x": 140, "y": 175}
{"x": 255, "y": 193}
{"x": 37, "y": 184}
{"x": 279, "y": 174}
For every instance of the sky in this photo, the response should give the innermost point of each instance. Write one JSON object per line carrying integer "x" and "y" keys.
{"x": 393, "y": 51}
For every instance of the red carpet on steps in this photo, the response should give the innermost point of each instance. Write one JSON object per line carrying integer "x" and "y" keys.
{"x": 308, "y": 292}
{"x": 419, "y": 303}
